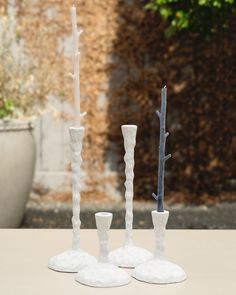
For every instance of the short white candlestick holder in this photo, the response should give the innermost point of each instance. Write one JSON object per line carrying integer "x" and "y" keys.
{"x": 159, "y": 270}
{"x": 129, "y": 255}
{"x": 75, "y": 259}
{"x": 103, "y": 273}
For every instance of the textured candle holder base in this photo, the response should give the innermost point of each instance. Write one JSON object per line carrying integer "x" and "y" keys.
{"x": 103, "y": 273}
{"x": 159, "y": 270}
{"x": 129, "y": 256}
{"x": 71, "y": 261}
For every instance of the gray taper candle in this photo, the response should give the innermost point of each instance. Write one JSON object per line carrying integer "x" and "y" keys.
{"x": 159, "y": 197}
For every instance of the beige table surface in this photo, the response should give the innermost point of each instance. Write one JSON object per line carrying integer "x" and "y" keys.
{"x": 208, "y": 257}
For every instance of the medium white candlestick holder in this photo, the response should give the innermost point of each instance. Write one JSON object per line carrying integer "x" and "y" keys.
{"x": 103, "y": 273}
{"x": 159, "y": 270}
{"x": 75, "y": 259}
{"x": 129, "y": 255}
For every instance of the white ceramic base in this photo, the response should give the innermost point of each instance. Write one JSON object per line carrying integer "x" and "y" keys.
{"x": 158, "y": 271}
{"x": 71, "y": 261}
{"x": 129, "y": 256}
{"x": 103, "y": 275}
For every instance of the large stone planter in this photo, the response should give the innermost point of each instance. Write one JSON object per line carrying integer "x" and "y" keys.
{"x": 18, "y": 156}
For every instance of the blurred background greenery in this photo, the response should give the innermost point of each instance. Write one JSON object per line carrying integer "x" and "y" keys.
{"x": 200, "y": 16}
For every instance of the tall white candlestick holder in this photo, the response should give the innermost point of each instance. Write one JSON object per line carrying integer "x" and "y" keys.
{"x": 129, "y": 255}
{"x": 103, "y": 273}
{"x": 159, "y": 270}
{"x": 75, "y": 259}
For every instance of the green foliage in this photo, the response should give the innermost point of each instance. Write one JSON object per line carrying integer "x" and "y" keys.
{"x": 17, "y": 82}
{"x": 24, "y": 83}
{"x": 6, "y": 107}
{"x": 202, "y": 16}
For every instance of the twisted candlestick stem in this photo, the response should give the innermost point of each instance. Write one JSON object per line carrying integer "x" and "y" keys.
{"x": 159, "y": 220}
{"x": 103, "y": 223}
{"x": 76, "y": 140}
{"x": 129, "y": 134}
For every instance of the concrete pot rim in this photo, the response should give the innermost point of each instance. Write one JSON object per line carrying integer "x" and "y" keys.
{"x": 16, "y": 124}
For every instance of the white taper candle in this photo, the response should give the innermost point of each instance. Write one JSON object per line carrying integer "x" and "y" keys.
{"x": 76, "y": 64}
